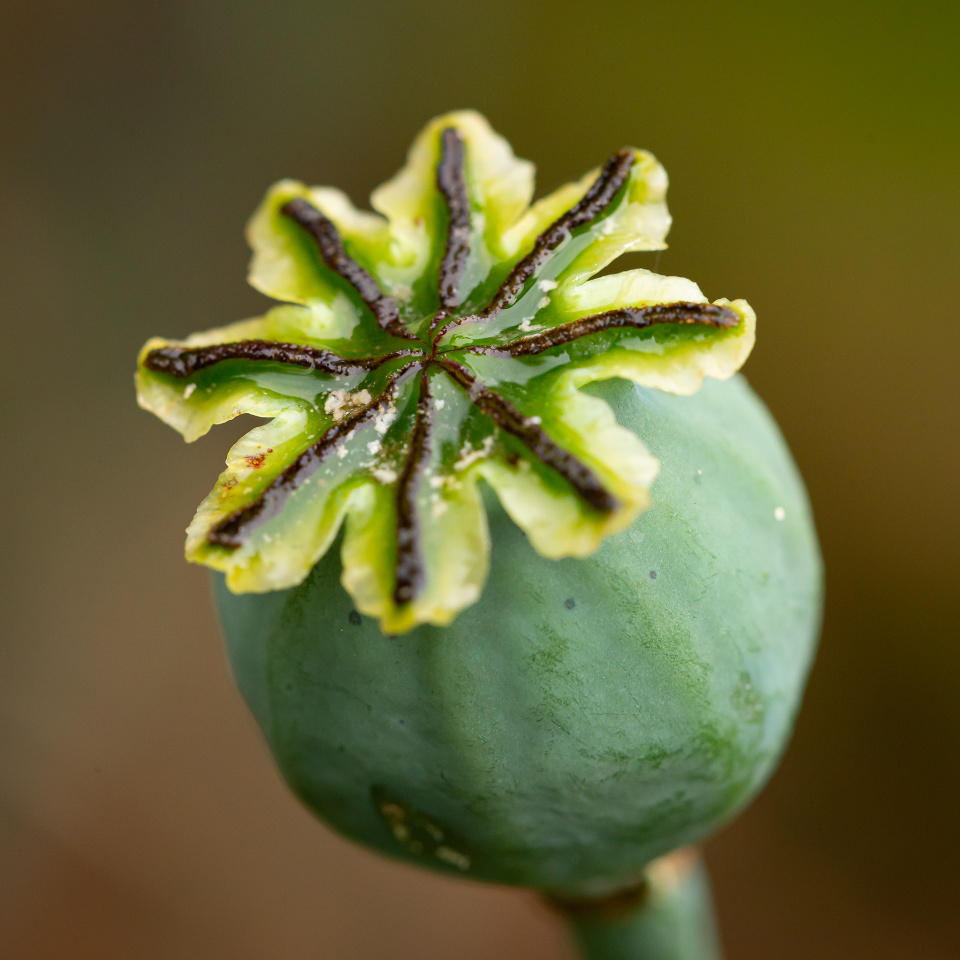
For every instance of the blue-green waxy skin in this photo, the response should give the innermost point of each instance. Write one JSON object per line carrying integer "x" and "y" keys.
{"x": 585, "y": 715}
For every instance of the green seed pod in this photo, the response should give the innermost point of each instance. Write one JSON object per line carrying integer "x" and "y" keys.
{"x": 554, "y": 676}
{"x": 585, "y": 715}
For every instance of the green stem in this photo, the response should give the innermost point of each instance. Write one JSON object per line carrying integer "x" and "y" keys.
{"x": 668, "y": 917}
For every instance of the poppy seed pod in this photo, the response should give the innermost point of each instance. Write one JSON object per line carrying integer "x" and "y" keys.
{"x": 516, "y": 587}
{"x": 586, "y": 715}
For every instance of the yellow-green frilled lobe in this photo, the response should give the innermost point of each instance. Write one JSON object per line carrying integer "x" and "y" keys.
{"x": 441, "y": 340}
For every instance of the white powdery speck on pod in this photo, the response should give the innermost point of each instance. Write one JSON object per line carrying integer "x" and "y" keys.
{"x": 384, "y": 418}
{"x": 341, "y": 403}
{"x": 384, "y": 474}
{"x": 469, "y": 455}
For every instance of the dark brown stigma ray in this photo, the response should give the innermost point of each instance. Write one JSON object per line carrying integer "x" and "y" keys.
{"x": 528, "y": 431}
{"x": 328, "y": 241}
{"x": 453, "y": 187}
{"x": 594, "y": 202}
{"x": 182, "y": 362}
{"x": 640, "y": 318}
{"x": 232, "y": 531}
{"x": 588, "y": 208}
{"x": 410, "y": 573}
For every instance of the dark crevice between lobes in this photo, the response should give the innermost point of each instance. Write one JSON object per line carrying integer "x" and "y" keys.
{"x": 680, "y": 313}
{"x": 410, "y": 574}
{"x": 233, "y": 530}
{"x": 183, "y": 362}
{"x": 327, "y": 238}
{"x": 528, "y": 431}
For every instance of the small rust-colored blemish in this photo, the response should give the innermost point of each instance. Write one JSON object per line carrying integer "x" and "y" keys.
{"x": 235, "y": 528}
{"x": 256, "y": 461}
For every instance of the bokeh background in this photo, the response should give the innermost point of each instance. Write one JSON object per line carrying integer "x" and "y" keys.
{"x": 814, "y": 152}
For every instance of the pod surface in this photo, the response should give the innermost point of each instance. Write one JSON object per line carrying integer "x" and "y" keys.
{"x": 585, "y": 716}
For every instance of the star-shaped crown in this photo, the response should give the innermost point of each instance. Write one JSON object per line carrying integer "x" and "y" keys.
{"x": 419, "y": 349}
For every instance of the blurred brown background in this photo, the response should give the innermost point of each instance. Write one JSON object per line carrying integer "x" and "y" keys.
{"x": 814, "y": 152}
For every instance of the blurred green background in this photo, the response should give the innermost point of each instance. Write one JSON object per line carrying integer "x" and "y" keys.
{"x": 814, "y": 152}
